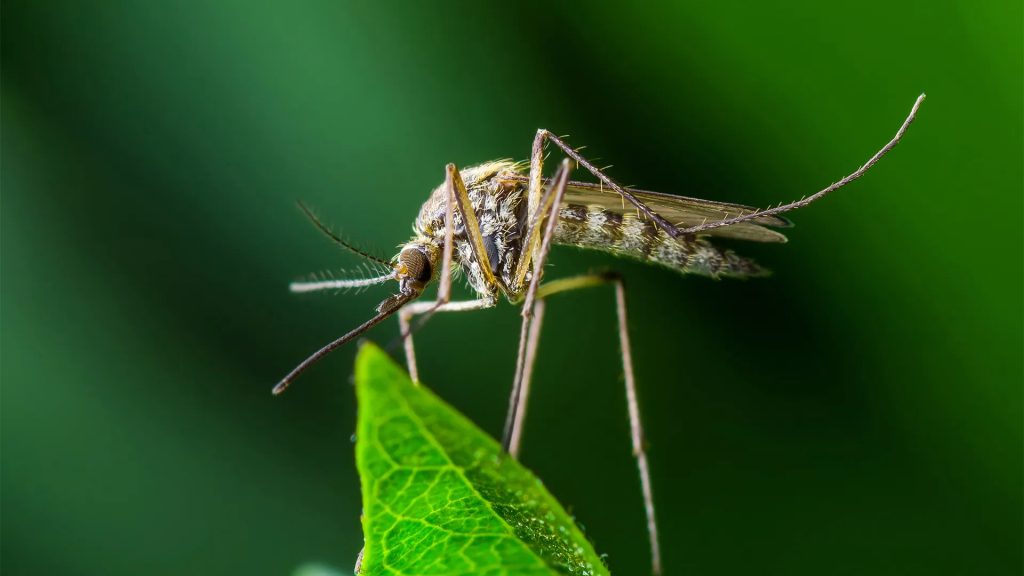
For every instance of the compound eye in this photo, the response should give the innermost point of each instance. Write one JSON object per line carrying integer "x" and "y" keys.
{"x": 417, "y": 264}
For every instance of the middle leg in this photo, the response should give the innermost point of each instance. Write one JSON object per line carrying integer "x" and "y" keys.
{"x": 632, "y": 403}
{"x": 534, "y": 255}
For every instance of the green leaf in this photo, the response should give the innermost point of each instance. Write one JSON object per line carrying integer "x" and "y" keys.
{"x": 441, "y": 497}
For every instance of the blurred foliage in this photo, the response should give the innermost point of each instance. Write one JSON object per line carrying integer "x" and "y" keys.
{"x": 859, "y": 412}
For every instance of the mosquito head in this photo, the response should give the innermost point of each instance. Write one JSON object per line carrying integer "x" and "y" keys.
{"x": 414, "y": 267}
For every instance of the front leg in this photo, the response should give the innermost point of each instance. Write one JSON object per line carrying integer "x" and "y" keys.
{"x": 457, "y": 199}
{"x": 406, "y": 314}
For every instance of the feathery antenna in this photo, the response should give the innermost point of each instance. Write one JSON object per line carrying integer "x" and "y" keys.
{"x": 337, "y": 239}
{"x": 317, "y": 285}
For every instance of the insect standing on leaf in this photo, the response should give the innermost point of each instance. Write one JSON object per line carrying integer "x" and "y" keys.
{"x": 496, "y": 223}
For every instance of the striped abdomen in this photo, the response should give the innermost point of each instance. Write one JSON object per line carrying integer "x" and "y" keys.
{"x": 624, "y": 234}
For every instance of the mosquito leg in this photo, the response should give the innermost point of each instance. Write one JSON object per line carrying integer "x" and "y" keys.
{"x": 821, "y": 193}
{"x": 417, "y": 308}
{"x": 458, "y": 199}
{"x": 674, "y": 231}
{"x": 538, "y": 143}
{"x": 444, "y": 285}
{"x": 405, "y": 329}
{"x": 632, "y": 403}
{"x": 532, "y": 339}
{"x": 457, "y": 191}
{"x": 535, "y": 250}
{"x": 406, "y": 314}
{"x": 636, "y": 427}
{"x": 538, "y": 204}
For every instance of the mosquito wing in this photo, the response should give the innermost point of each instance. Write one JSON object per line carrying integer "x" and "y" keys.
{"x": 682, "y": 211}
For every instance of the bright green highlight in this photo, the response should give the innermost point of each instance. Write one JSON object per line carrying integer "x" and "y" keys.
{"x": 441, "y": 497}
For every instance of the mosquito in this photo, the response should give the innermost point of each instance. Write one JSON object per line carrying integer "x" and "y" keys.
{"x": 495, "y": 223}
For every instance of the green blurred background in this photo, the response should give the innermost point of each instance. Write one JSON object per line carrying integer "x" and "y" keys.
{"x": 857, "y": 413}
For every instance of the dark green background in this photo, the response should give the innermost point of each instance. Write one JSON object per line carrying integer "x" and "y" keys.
{"x": 858, "y": 413}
